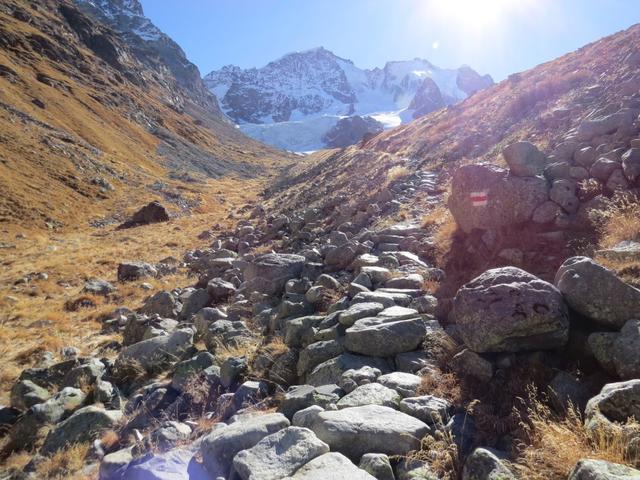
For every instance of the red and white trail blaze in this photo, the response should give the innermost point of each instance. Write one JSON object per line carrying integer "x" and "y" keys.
{"x": 478, "y": 199}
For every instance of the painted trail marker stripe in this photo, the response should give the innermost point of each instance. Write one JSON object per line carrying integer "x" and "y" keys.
{"x": 478, "y": 199}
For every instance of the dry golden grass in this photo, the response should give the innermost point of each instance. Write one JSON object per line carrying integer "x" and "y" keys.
{"x": 617, "y": 223}
{"x": 620, "y": 221}
{"x": 397, "y": 172}
{"x": 444, "y": 227}
{"x": 441, "y": 453}
{"x": 443, "y": 385}
{"x": 64, "y": 464}
{"x": 553, "y": 443}
{"x": 46, "y": 315}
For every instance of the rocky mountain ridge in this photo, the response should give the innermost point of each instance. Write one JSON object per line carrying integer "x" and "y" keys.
{"x": 294, "y": 92}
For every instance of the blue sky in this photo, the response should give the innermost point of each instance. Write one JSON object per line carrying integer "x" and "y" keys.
{"x": 492, "y": 36}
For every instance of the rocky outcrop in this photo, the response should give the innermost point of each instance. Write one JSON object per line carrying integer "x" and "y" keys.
{"x": 427, "y": 99}
{"x": 153, "y": 212}
{"x": 351, "y": 130}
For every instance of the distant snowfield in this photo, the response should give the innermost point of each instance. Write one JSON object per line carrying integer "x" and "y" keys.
{"x": 299, "y": 136}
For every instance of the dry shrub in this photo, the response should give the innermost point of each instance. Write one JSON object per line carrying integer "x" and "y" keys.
{"x": 85, "y": 301}
{"x": 396, "y": 172}
{"x": 16, "y": 461}
{"x": 444, "y": 227}
{"x": 443, "y": 385}
{"x": 243, "y": 349}
{"x": 620, "y": 221}
{"x": 109, "y": 439}
{"x": 64, "y": 464}
{"x": 552, "y": 444}
{"x": 441, "y": 453}
{"x": 128, "y": 371}
{"x": 441, "y": 348}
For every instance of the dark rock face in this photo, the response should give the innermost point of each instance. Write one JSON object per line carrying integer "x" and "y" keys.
{"x": 153, "y": 47}
{"x": 470, "y": 81}
{"x": 428, "y": 99}
{"x": 351, "y": 130}
{"x": 258, "y": 93}
{"x": 153, "y": 212}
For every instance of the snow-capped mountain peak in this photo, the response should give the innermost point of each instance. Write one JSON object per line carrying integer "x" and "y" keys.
{"x": 314, "y": 88}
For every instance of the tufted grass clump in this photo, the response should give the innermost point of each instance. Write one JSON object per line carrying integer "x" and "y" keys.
{"x": 552, "y": 443}
{"x": 66, "y": 463}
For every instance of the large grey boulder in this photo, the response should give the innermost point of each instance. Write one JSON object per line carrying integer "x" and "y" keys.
{"x": 316, "y": 353}
{"x": 300, "y": 397}
{"x": 369, "y": 429}
{"x": 128, "y": 271}
{"x": 509, "y": 310}
{"x": 331, "y": 371}
{"x": 162, "y": 303}
{"x": 588, "y": 469}
{"x": 156, "y": 353}
{"x": 427, "y": 408}
{"x": 359, "y": 310}
{"x": 84, "y": 425}
{"x": 483, "y": 464}
{"x": 597, "y": 293}
{"x": 510, "y": 200}
{"x": 524, "y": 159}
{"x": 385, "y": 337}
{"x": 406, "y": 384}
{"x": 330, "y": 466}
{"x": 268, "y": 273}
{"x": 370, "y": 394}
{"x": 279, "y": 454}
{"x": 222, "y": 445}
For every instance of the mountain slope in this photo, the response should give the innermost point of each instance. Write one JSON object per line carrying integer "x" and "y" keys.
{"x": 85, "y": 110}
{"x": 544, "y": 105}
{"x": 306, "y": 93}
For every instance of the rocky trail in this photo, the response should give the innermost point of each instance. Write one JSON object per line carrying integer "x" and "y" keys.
{"x": 330, "y": 356}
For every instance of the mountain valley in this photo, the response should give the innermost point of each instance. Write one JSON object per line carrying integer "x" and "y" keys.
{"x": 448, "y": 288}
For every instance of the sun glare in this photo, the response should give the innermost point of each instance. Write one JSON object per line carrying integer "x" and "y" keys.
{"x": 474, "y": 14}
